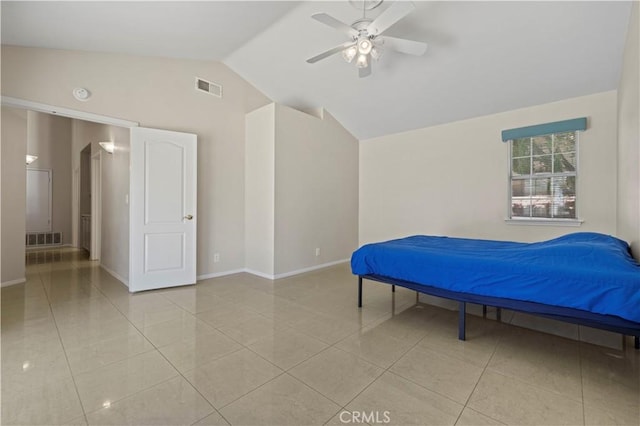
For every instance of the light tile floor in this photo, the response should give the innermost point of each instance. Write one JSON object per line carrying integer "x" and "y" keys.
{"x": 77, "y": 348}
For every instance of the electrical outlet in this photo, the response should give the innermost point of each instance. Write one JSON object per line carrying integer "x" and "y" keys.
{"x": 216, "y": 257}
{"x": 318, "y": 251}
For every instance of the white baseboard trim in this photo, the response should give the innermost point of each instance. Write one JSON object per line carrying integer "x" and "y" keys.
{"x": 259, "y": 274}
{"x": 297, "y": 271}
{"x": 43, "y": 247}
{"x": 220, "y": 274}
{"x": 115, "y": 275}
{"x": 270, "y": 276}
{"x": 13, "y": 282}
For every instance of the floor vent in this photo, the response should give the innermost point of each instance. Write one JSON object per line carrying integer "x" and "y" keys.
{"x": 39, "y": 239}
{"x": 208, "y": 87}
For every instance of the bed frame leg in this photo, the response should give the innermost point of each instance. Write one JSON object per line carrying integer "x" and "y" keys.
{"x": 359, "y": 292}
{"x": 393, "y": 288}
{"x": 636, "y": 343}
{"x": 498, "y": 314}
{"x": 484, "y": 311}
{"x": 461, "y": 321}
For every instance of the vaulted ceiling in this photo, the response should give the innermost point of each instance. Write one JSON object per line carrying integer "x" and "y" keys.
{"x": 483, "y": 57}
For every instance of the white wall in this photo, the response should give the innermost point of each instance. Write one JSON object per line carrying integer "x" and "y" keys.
{"x": 13, "y": 182}
{"x": 260, "y": 190}
{"x": 301, "y": 189}
{"x": 316, "y": 190}
{"x": 49, "y": 137}
{"x": 453, "y": 179}
{"x": 158, "y": 92}
{"x": 629, "y": 138}
{"x": 114, "y": 249}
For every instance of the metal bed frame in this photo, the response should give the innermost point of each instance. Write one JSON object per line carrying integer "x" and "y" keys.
{"x": 570, "y": 315}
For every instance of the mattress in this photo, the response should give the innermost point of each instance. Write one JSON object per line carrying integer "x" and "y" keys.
{"x": 585, "y": 270}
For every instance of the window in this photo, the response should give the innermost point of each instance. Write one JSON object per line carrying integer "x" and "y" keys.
{"x": 543, "y": 170}
{"x": 543, "y": 176}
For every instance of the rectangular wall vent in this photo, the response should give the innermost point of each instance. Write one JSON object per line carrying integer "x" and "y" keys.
{"x": 38, "y": 239}
{"x": 208, "y": 87}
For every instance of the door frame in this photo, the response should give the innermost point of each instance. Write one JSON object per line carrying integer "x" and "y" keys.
{"x": 96, "y": 206}
{"x": 69, "y": 113}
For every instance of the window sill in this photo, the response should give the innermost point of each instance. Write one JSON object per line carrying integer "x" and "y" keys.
{"x": 545, "y": 222}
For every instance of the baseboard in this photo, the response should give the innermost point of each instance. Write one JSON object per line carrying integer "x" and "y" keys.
{"x": 43, "y": 247}
{"x": 13, "y": 282}
{"x": 115, "y": 275}
{"x": 296, "y": 272}
{"x": 220, "y": 274}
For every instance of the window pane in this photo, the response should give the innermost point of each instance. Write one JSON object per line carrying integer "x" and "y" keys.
{"x": 520, "y": 188}
{"x": 520, "y": 208}
{"x": 565, "y": 162}
{"x": 521, "y": 147}
{"x": 564, "y": 197}
{"x": 520, "y": 198}
{"x": 541, "y": 187}
{"x": 541, "y": 207}
{"x": 541, "y": 145}
{"x": 542, "y": 164}
{"x": 521, "y": 166}
{"x": 565, "y": 142}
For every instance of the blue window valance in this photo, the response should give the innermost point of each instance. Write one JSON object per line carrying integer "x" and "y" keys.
{"x": 545, "y": 129}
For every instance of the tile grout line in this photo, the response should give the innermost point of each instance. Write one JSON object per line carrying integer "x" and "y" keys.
{"x": 66, "y": 357}
{"x": 484, "y": 369}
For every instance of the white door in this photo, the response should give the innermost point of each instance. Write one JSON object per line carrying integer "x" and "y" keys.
{"x": 38, "y": 200}
{"x": 162, "y": 209}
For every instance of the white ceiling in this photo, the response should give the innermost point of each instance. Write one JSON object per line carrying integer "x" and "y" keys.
{"x": 483, "y": 57}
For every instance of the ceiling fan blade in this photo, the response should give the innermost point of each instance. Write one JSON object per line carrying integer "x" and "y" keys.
{"x": 364, "y": 72}
{"x": 405, "y": 46}
{"x": 330, "y": 52}
{"x": 334, "y": 23}
{"x": 396, "y": 12}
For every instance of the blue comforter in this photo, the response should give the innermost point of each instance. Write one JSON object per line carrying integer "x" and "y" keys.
{"x": 588, "y": 271}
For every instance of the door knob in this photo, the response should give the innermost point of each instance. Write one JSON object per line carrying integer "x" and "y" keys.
{"x": 188, "y": 217}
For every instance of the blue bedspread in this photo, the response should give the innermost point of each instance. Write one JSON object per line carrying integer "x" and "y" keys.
{"x": 588, "y": 271}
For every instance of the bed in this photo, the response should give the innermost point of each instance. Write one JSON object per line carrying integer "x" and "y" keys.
{"x": 584, "y": 278}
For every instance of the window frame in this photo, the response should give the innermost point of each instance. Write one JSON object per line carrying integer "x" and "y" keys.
{"x": 533, "y": 220}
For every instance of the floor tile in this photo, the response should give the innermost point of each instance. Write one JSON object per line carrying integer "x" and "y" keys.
{"x": 336, "y": 374}
{"x": 115, "y": 381}
{"x": 213, "y": 419}
{"x": 512, "y": 401}
{"x": 375, "y": 346}
{"x": 253, "y": 329}
{"x": 448, "y": 376}
{"x": 287, "y": 348}
{"x": 544, "y": 361}
{"x": 173, "y": 402}
{"x": 190, "y": 353}
{"x": 55, "y": 403}
{"x": 176, "y": 330}
{"x": 226, "y": 315}
{"x": 226, "y": 379}
{"x": 471, "y": 417}
{"x": 95, "y": 355}
{"x": 405, "y": 403}
{"x": 282, "y": 401}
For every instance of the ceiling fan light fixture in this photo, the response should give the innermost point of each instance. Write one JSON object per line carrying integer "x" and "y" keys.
{"x": 376, "y": 52}
{"x": 349, "y": 53}
{"x": 362, "y": 61}
{"x": 364, "y": 46}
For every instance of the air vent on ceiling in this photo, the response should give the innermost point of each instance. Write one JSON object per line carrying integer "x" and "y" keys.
{"x": 208, "y": 87}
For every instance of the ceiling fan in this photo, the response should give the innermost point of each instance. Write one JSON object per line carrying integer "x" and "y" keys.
{"x": 366, "y": 40}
